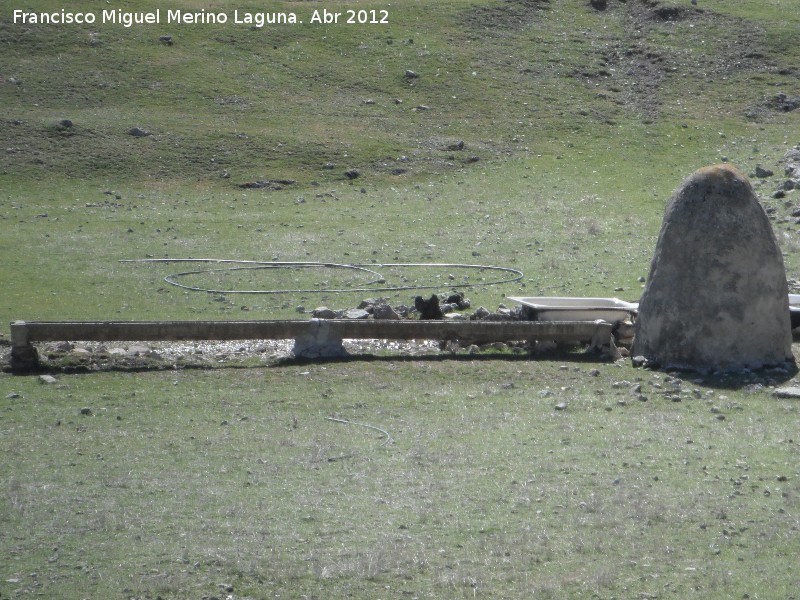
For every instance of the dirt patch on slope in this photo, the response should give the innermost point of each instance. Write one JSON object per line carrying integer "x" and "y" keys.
{"x": 654, "y": 10}
{"x": 635, "y": 70}
{"x": 511, "y": 14}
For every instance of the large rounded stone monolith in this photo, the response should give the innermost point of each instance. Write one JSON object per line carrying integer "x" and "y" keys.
{"x": 716, "y": 297}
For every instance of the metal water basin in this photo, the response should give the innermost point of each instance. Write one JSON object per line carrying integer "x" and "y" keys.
{"x": 794, "y": 310}
{"x": 554, "y": 308}
{"x": 547, "y": 308}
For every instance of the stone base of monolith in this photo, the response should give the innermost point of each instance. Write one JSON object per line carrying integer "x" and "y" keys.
{"x": 716, "y": 297}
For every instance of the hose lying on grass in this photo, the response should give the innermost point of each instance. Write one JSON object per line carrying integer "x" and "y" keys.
{"x": 386, "y": 442}
{"x": 513, "y": 274}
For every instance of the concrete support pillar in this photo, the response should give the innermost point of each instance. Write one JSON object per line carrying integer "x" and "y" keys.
{"x": 320, "y": 341}
{"x": 24, "y": 356}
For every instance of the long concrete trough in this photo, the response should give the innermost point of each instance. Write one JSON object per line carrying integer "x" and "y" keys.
{"x": 312, "y": 337}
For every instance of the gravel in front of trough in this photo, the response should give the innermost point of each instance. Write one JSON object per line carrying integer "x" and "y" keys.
{"x": 137, "y": 355}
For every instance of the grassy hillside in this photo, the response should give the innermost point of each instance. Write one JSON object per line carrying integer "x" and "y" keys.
{"x": 526, "y": 125}
{"x": 506, "y": 78}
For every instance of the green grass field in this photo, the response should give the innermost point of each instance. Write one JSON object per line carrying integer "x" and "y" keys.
{"x": 178, "y": 482}
{"x": 544, "y": 136}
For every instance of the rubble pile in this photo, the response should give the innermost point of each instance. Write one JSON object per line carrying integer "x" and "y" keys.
{"x": 445, "y": 305}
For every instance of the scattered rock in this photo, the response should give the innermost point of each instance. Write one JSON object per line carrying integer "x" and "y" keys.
{"x": 323, "y": 312}
{"x": 356, "y": 314}
{"x": 166, "y": 40}
{"x": 273, "y": 184}
{"x": 763, "y": 173}
{"x": 458, "y": 300}
{"x": 65, "y": 124}
{"x": 385, "y": 312}
{"x": 402, "y": 310}
{"x": 783, "y": 103}
{"x": 499, "y": 346}
{"x": 411, "y": 74}
{"x": 791, "y": 392}
{"x": 47, "y": 379}
{"x": 480, "y": 313}
{"x": 139, "y": 132}
{"x": 454, "y": 316}
{"x": 59, "y": 347}
{"x": 86, "y": 411}
{"x": 598, "y": 4}
{"x": 369, "y": 304}
{"x": 142, "y": 351}
{"x": 352, "y": 174}
{"x": 561, "y": 406}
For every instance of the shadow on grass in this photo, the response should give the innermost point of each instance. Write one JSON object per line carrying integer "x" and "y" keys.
{"x": 568, "y": 355}
{"x": 739, "y": 381}
{"x": 445, "y": 356}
